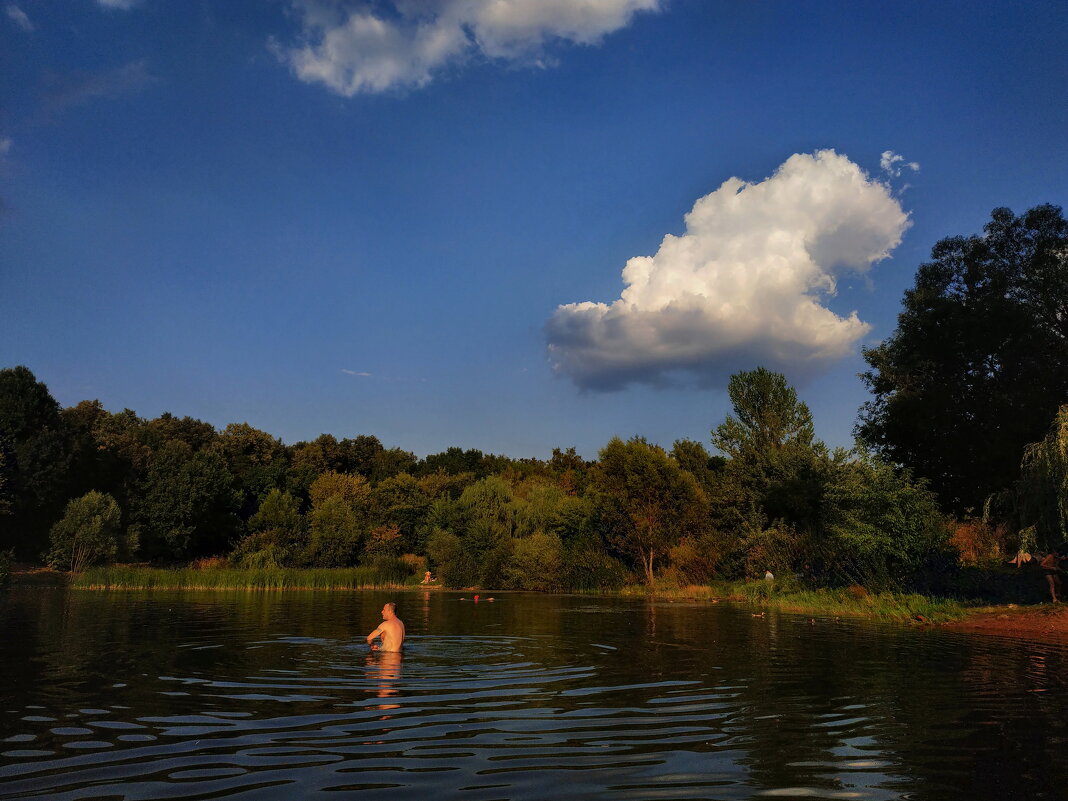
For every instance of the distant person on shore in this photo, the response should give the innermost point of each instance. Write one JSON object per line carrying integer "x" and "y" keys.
{"x": 391, "y": 631}
{"x": 1051, "y": 566}
{"x": 428, "y": 578}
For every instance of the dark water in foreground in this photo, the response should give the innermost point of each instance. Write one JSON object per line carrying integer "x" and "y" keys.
{"x": 274, "y": 696}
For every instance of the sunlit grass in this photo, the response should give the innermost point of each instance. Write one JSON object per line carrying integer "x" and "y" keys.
{"x": 846, "y": 602}
{"x": 122, "y": 577}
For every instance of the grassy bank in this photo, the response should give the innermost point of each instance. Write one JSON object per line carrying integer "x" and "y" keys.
{"x": 845, "y": 602}
{"x": 851, "y": 601}
{"x": 121, "y": 577}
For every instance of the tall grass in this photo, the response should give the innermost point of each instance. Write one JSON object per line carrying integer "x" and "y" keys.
{"x": 845, "y": 602}
{"x": 121, "y": 577}
{"x": 848, "y": 601}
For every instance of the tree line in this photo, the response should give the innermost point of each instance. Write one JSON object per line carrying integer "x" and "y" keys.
{"x": 958, "y": 434}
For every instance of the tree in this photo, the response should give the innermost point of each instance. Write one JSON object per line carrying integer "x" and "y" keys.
{"x": 257, "y": 461}
{"x": 335, "y": 536}
{"x": 774, "y": 455}
{"x": 978, "y": 363}
{"x": 276, "y": 533}
{"x": 88, "y": 532}
{"x": 186, "y": 503}
{"x": 879, "y": 524}
{"x": 1041, "y": 494}
{"x": 655, "y": 501}
{"x": 37, "y": 460}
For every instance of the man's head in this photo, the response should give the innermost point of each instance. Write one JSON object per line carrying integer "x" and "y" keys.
{"x": 389, "y": 611}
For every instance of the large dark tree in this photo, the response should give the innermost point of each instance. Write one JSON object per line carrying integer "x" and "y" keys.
{"x": 36, "y": 461}
{"x": 979, "y": 362}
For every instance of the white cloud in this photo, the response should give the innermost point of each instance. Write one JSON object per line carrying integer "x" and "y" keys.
{"x": 743, "y": 286}
{"x": 404, "y": 43}
{"x": 356, "y": 373}
{"x": 5, "y": 146}
{"x": 892, "y": 164}
{"x": 18, "y": 16}
{"x": 122, "y": 5}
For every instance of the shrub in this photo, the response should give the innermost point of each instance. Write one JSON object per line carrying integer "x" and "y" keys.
{"x": 88, "y": 532}
{"x": 536, "y": 563}
{"x": 335, "y": 538}
{"x": 694, "y": 559}
{"x": 590, "y": 568}
{"x": 980, "y": 543}
{"x": 449, "y": 560}
{"x": 208, "y": 563}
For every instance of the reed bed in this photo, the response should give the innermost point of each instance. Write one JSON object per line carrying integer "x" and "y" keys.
{"x": 119, "y": 577}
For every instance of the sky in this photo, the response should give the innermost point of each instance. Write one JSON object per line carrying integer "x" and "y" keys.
{"x": 509, "y": 225}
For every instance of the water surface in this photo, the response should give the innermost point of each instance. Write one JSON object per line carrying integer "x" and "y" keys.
{"x": 194, "y": 695}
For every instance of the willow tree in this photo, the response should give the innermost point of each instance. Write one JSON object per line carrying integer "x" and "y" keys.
{"x": 1042, "y": 490}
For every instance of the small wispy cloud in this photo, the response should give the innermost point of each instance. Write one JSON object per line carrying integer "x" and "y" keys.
{"x": 62, "y": 91}
{"x": 389, "y": 379}
{"x": 5, "y": 146}
{"x": 18, "y": 16}
{"x": 356, "y": 47}
{"x": 892, "y": 164}
{"x": 119, "y": 5}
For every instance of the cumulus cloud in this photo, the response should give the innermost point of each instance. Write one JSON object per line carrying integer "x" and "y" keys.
{"x": 892, "y": 164}
{"x": 361, "y": 48}
{"x": 743, "y": 286}
{"x": 18, "y": 16}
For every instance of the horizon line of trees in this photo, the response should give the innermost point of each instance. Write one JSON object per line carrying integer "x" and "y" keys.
{"x": 956, "y": 447}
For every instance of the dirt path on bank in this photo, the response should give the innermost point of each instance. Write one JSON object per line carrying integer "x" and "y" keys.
{"x": 1046, "y": 621}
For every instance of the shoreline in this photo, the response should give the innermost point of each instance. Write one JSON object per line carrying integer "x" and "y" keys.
{"x": 1042, "y": 622}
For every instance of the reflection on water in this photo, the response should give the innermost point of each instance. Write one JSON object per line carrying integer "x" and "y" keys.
{"x": 197, "y": 695}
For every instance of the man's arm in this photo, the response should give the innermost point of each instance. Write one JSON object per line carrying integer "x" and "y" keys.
{"x": 376, "y": 633}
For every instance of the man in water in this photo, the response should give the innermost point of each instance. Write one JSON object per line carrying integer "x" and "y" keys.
{"x": 391, "y": 631}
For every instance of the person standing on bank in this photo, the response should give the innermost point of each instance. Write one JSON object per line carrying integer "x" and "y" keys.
{"x": 1051, "y": 566}
{"x": 391, "y": 631}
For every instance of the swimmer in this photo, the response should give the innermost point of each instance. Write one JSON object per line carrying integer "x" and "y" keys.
{"x": 391, "y": 631}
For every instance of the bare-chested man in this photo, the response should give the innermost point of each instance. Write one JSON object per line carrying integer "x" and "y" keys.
{"x": 391, "y": 631}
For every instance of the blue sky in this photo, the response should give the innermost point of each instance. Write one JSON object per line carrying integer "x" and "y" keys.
{"x": 443, "y": 223}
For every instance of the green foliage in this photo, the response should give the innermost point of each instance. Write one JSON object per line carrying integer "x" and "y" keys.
{"x": 404, "y": 502}
{"x": 879, "y": 524}
{"x": 775, "y": 460}
{"x": 37, "y": 456}
{"x": 88, "y": 532}
{"x": 187, "y": 501}
{"x": 979, "y": 361}
{"x": 853, "y": 601}
{"x": 277, "y": 534}
{"x": 652, "y": 500}
{"x": 536, "y": 563}
{"x": 1041, "y": 494}
{"x": 279, "y": 512}
{"x": 383, "y": 542}
{"x": 335, "y": 537}
{"x": 591, "y": 568}
{"x": 450, "y": 562}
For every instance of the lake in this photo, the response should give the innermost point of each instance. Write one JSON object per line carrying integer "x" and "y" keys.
{"x": 184, "y": 695}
